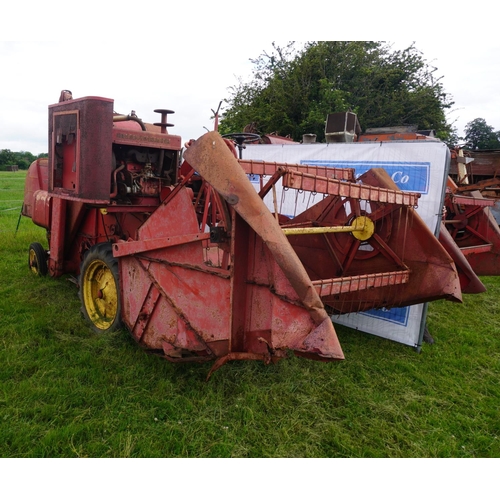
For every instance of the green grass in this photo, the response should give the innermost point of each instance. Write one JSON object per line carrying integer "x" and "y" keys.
{"x": 67, "y": 392}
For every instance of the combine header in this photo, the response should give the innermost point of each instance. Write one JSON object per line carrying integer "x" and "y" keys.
{"x": 186, "y": 255}
{"x": 472, "y": 225}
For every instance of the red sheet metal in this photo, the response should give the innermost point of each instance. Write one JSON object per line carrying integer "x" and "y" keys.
{"x": 213, "y": 160}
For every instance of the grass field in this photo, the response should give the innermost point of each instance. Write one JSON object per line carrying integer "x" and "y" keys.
{"x": 67, "y": 392}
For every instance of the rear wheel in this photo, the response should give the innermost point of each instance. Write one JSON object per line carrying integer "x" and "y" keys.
{"x": 37, "y": 259}
{"x": 99, "y": 289}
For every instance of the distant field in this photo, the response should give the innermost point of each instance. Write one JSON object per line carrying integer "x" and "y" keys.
{"x": 67, "y": 392}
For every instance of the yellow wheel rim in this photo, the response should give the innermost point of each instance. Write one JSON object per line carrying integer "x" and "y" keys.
{"x": 100, "y": 295}
{"x": 33, "y": 262}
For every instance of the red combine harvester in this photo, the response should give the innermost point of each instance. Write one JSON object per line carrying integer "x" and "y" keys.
{"x": 185, "y": 254}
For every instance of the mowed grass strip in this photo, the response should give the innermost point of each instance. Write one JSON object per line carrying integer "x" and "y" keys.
{"x": 68, "y": 392}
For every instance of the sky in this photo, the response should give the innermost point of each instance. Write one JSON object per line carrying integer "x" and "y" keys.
{"x": 167, "y": 57}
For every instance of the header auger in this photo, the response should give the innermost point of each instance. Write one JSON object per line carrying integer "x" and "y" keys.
{"x": 186, "y": 255}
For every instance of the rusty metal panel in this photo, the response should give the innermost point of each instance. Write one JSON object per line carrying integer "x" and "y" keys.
{"x": 470, "y": 201}
{"x": 80, "y": 142}
{"x": 317, "y": 184}
{"x": 37, "y": 178}
{"x": 351, "y": 284}
{"x": 41, "y": 208}
{"x": 122, "y": 135}
{"x": 57, "y": 237}
{"x": 254, "y": 167}
{"x": 210, "y": 156}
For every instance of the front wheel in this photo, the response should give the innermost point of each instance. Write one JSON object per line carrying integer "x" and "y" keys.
{"x": 37, "y": 259}
{"x": 99, "y": 289}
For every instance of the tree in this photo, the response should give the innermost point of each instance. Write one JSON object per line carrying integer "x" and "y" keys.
{"x": 6, "y": 158}
{"x": 292, "y": 91}
{"x": 480, "y": 135}
{"x": 22, "y": 159}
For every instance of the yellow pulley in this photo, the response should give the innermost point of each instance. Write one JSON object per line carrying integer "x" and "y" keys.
{"x": 362, "y": 228}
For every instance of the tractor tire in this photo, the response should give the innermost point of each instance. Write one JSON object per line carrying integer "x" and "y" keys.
{"x": 100, "y": 289}
{"x": 37, "y": 259}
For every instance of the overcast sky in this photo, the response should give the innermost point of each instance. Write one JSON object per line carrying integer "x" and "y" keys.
{"x": 156, "y": 58}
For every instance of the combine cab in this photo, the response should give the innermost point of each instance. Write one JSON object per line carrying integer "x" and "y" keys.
{"x": 186, "y": 255}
